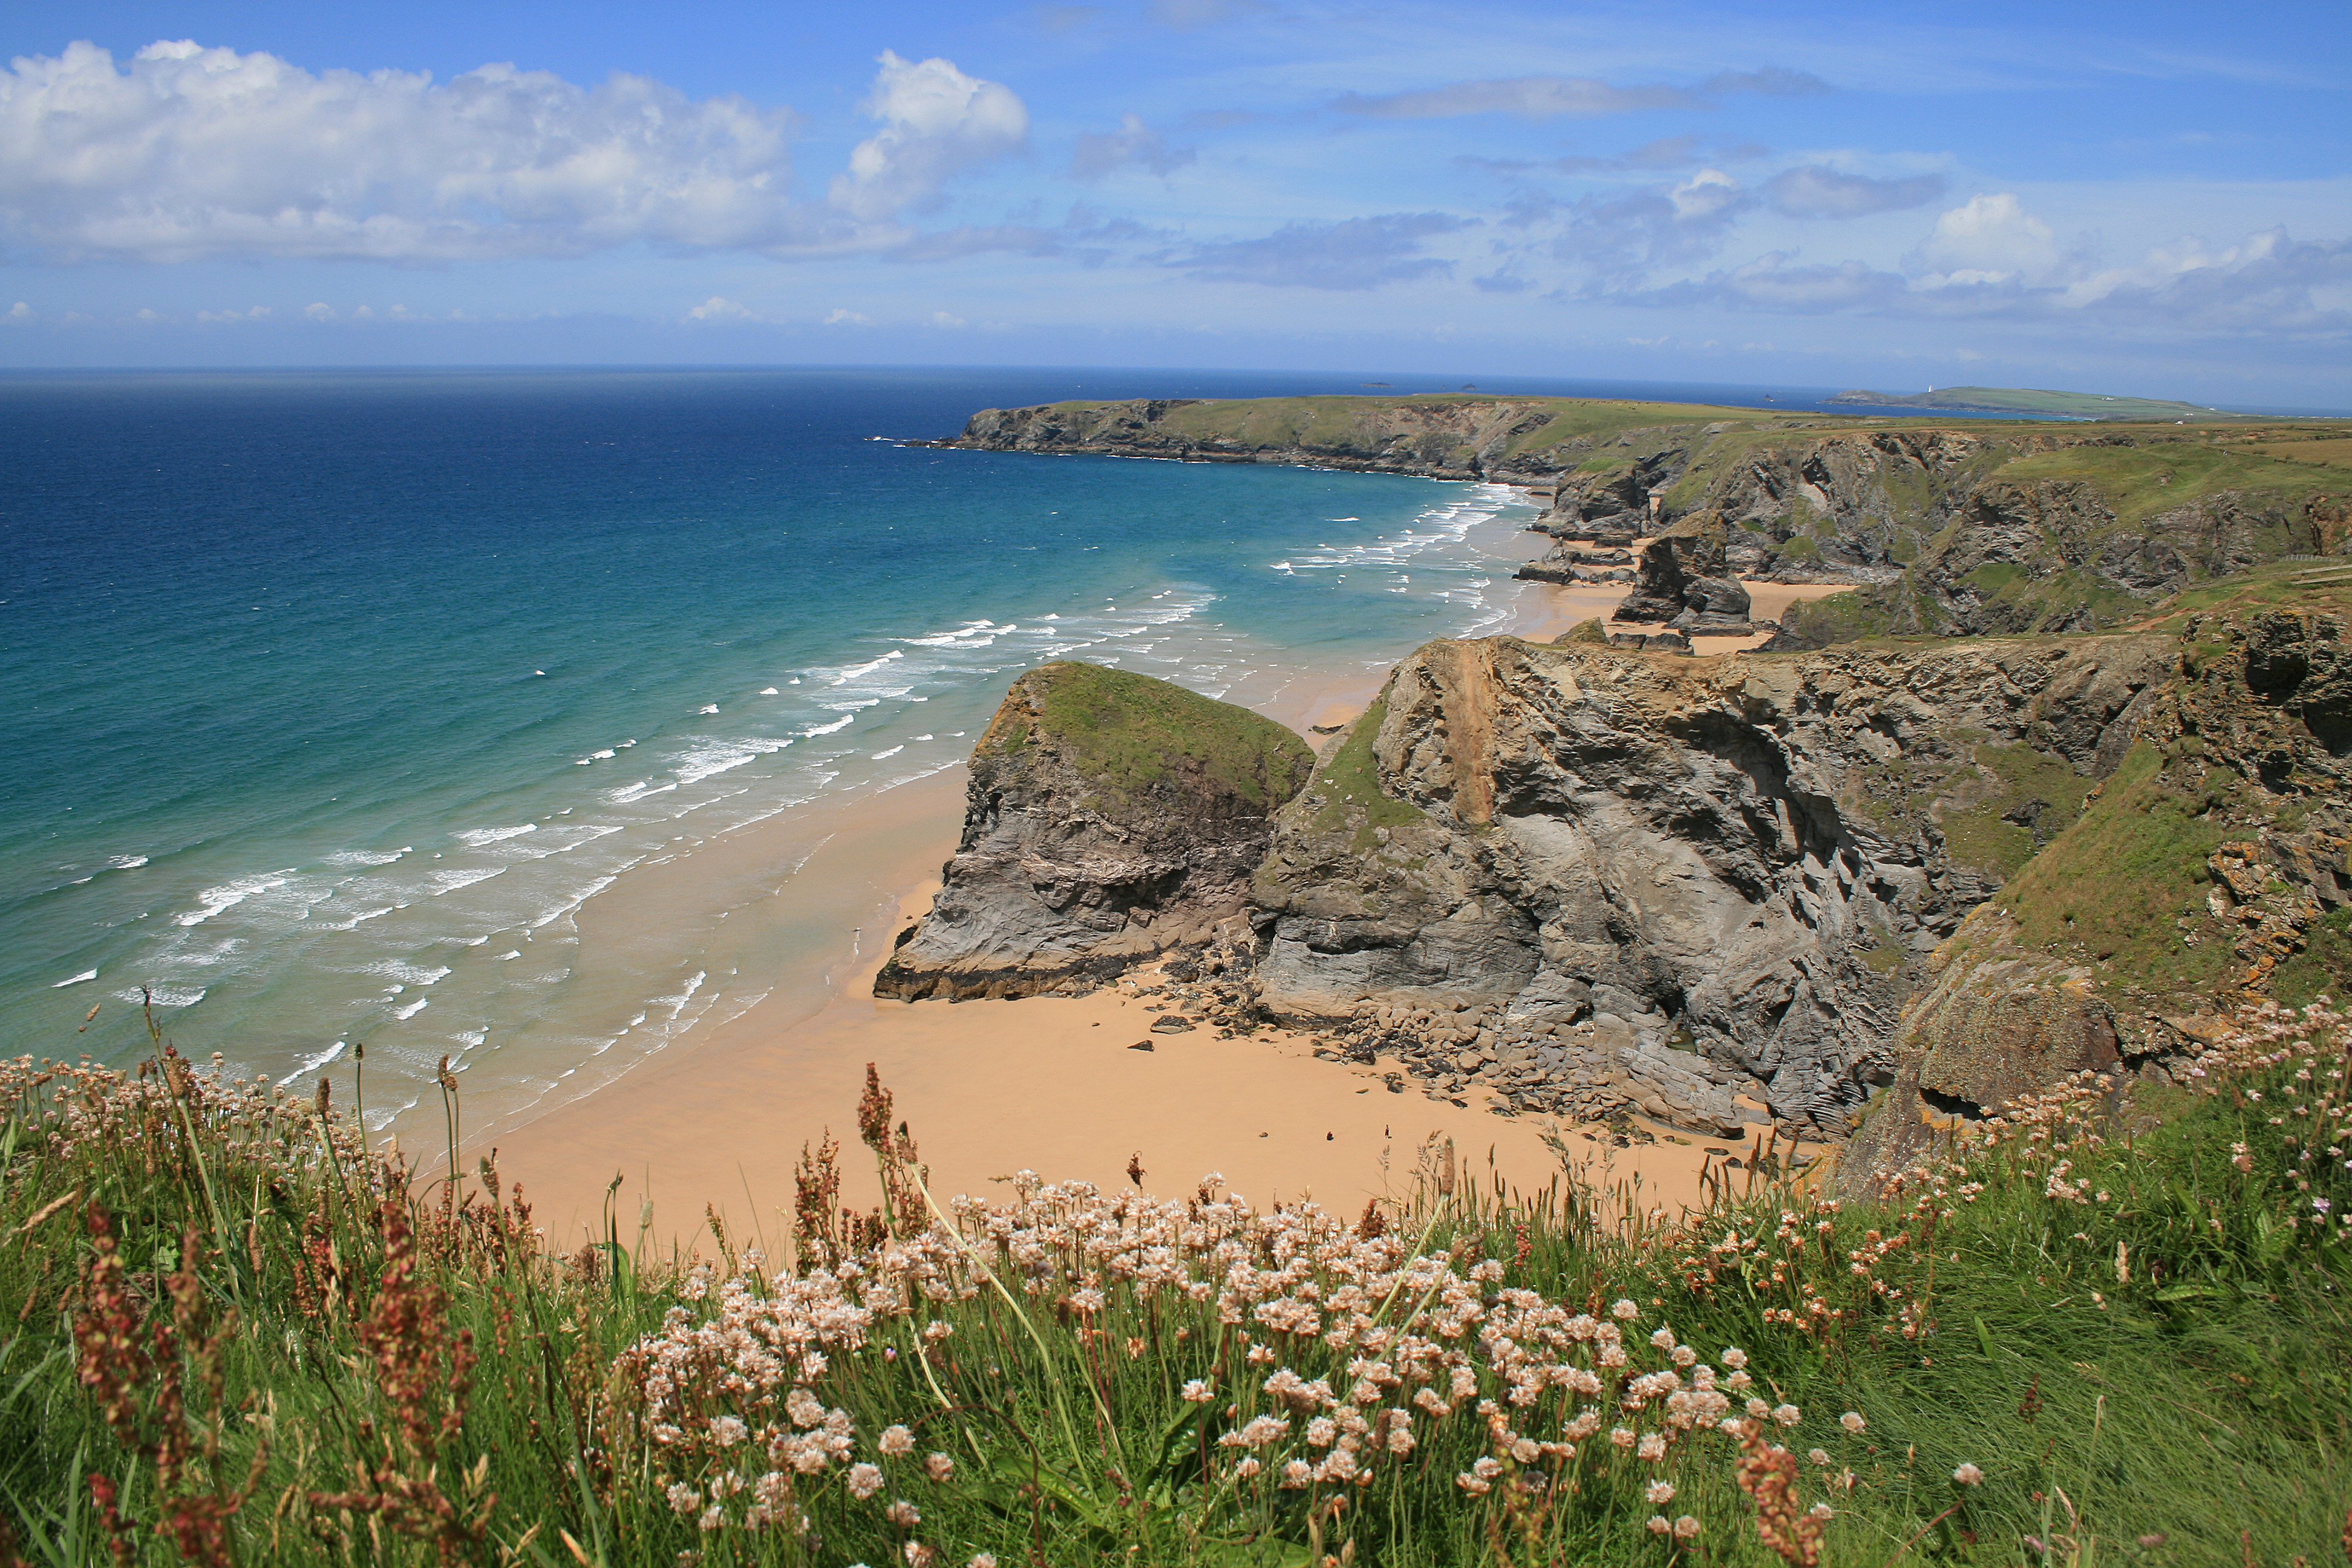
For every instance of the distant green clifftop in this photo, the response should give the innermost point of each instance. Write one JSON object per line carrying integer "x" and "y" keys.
{"x": 2031, "y": 400}
{"x": 1948, "y": 526}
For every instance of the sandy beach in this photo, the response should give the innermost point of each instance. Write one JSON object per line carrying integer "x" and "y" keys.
{"x": 1049, "y": 1084}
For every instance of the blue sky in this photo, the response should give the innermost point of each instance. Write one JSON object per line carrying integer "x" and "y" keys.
{"x": 2148, "y": 198}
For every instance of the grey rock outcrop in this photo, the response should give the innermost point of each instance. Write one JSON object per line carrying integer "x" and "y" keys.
{"x": 1685, "y": 582}
{"x": 1110, "y": 817}
{"x": 1741, "y": 859}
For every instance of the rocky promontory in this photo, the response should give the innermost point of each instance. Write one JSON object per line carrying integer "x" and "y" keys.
{"x": 1949, "y": 527}
{"x": 1110, "y": 817}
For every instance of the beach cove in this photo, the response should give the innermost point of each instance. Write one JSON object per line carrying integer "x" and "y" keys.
{"x": 1054, "y": 1084}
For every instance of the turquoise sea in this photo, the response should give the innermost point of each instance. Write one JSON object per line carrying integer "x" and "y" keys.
{"x": 336, "y": 701}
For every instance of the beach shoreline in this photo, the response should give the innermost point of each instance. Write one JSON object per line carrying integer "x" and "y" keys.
{"x": 1072, "y": 1087}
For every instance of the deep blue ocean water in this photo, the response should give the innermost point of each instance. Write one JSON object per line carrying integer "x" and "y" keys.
{"x": 334, "y": 698}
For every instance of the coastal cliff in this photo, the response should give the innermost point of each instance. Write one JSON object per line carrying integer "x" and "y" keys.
{"x": 1576, "y": 873}
{"x": 1109, "y": 817}
{"x": 1949, "y": 529}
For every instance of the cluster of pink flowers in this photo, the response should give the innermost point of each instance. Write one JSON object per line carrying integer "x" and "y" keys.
{"x": 1327, "y": 1354}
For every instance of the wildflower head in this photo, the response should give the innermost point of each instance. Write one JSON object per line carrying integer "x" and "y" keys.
{"x": 1852, "y": 1421}
{"x": 1969, "y": 1475}
{"x": 897, "y": 1441}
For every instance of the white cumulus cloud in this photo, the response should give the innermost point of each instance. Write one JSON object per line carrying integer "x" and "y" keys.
{"x": 183, "y": 151}
{"x": 719, "y": 308}
{"x": 936, "y": 121}
{"x": 1990, "y": 239}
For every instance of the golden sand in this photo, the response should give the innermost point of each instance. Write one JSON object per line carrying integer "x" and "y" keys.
{"x": 1049, "y": 1084}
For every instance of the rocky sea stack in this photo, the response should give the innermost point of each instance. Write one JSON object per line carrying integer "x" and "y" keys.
{"x": 1110, "y": 817}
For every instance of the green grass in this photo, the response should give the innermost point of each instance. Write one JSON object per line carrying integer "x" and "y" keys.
{"x": 2114, "y": 884}
{"x": 2324, "y": 968}
{"x": 358, "y": 1367}
{"x": 1135, "y": 735}
{"x": 1979, "y": 834}
{"x": 2139, "y": 481}
{"x": 1348, "y": 789}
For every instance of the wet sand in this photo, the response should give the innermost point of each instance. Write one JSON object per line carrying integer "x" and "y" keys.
{"x": 1048, "y": 1084}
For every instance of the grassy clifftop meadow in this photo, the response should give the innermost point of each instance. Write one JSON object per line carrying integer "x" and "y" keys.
{"x": 2106, "y": 1327}
{"x": 2074, "y": 1294}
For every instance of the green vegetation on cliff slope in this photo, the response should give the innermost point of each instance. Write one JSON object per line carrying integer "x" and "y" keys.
{"x": 2124, "y": 883}
{"x": 2135, "y": 482}
{"x": 1348, "y": 789}
{"x": 1135, "y": 736}
{"x": 238, "y": 1336}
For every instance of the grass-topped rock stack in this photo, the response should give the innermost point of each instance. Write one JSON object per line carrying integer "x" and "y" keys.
{"x": 1111, "y": 818}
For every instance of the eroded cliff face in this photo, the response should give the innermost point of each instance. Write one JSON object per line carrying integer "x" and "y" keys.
{"x": 1992, "y": 528}
{"x": 1742, "y": 859}
{"x": 1109, "y": 817}
{"x": 2210, "y": 872}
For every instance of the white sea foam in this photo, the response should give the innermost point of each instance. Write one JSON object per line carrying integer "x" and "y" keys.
{"x": 214, "y": 901}
{"x": 313, "y": 1064}
{"x": 126, "y": 862}
{"x": 406, "y": 972}
{"x": 703, "y": 761}
{"x": 413, "y": 1009}
{"x": 855, "y": 670}
{"x": 365, "y": 857}
{"x": 841, "y": 723}
{"x": 891, "y": 752}
{"x": 358, "y": 920}
{"x": 164, "y": 996}
{"x": 549, "y": 917}
{"x": 76, "y": 980}
{"x": 479, "y": 837}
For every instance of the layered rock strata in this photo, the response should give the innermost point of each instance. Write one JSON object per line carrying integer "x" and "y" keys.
{"x": 1741, "y": 859}
{"x": 1110, "y": 817}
